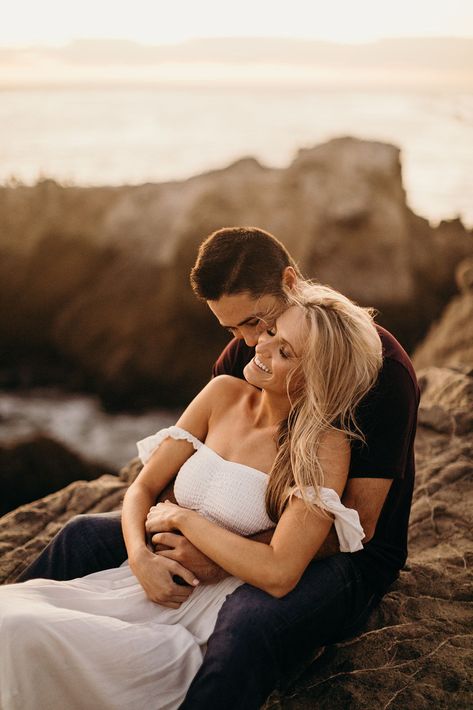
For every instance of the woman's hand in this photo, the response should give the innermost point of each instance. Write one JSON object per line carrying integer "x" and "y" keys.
{"x": 164, "y": 517}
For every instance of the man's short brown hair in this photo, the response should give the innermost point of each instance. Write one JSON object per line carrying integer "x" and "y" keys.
{"x": 240, "y": 260}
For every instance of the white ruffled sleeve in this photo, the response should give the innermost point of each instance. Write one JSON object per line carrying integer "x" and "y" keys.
{"x": 146, "y": 447}
{"x": 346, "y": 520}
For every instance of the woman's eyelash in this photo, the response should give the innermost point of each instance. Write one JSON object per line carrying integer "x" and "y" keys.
{"x": 283, "y": 353}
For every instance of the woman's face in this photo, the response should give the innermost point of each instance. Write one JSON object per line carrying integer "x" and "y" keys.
{"x": 278, "y": 352}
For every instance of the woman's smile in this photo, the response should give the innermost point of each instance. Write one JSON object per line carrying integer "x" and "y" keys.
{"x": 261, "y": 365}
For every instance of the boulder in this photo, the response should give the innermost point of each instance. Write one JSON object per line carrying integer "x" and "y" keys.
{"x": 33, "y": 468}
{"x": 450, "y": 340}
{"x": 94, "y": 281}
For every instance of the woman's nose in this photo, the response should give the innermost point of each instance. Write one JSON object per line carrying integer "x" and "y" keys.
{"x": 263, "y": 340}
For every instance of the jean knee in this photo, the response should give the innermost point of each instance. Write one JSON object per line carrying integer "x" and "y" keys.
{"x": 76, "y": 526}
{"x": 249, "y": 616}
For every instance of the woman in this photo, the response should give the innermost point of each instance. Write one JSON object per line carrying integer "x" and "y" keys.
{"x": 269, "y": 452}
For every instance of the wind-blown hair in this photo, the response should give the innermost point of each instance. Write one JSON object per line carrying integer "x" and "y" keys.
{"x": 339, "y": 363}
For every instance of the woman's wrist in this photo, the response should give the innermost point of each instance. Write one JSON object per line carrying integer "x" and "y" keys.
{"x": 182, "y": 518}
{"x": 138, "y": 555}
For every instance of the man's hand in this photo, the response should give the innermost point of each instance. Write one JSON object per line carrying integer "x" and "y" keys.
{"x": 175, "y": 547}
{"x": 155, "y": 574}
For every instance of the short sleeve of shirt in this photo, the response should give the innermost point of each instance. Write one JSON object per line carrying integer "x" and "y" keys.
{"x": 387, "y": 417}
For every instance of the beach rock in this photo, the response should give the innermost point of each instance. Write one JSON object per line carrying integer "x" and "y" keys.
{"x": 450, "y": 340}
{"x": 24, "y": 532}
{"x": 31, "y": 469}
{"x": 94, "y": 281}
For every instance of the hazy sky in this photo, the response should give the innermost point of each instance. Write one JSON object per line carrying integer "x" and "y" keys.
{"x": 155, "y": 21}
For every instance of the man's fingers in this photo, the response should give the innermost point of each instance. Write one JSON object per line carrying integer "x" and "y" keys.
{"x": 180, "y": 591}
{"x": 188, "y": 576}
{"x": 166, "y": 538}
{"x": 166, "y": 552}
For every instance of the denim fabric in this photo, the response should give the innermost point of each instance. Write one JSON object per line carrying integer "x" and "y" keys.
{"x": 259, "y": 639}
{"x": 86, "y": 544}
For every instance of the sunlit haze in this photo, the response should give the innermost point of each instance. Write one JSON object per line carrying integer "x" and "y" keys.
{"x": 53, "y": 22}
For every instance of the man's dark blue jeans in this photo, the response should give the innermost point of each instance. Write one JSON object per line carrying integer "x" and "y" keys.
{"x": 258, "y": 639}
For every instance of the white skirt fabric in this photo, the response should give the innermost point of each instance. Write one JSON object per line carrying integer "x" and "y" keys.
{"x": 99, "y": 643}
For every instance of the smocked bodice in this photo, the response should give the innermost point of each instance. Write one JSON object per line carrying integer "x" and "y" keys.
{"x": 233, "y": 494}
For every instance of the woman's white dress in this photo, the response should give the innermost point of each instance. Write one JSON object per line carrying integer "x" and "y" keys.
{"x": 98, "y": 642}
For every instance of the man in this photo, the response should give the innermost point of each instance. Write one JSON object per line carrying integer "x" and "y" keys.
{"x": 241, "y": 274}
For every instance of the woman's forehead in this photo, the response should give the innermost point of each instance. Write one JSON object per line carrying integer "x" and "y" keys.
{"x": 292, "y": 327}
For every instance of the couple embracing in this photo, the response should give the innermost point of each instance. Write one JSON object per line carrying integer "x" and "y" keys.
{"x": 290, "y": 477}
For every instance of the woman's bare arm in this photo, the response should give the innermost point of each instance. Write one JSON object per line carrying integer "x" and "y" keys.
{"x": 154, "y": 572}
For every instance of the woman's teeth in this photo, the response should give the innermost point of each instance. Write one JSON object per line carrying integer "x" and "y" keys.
{"x": 261, "y": 365}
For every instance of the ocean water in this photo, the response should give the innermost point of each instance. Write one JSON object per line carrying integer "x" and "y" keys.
{"x": 119, "y": 136}
{"x": 79, "y": 422}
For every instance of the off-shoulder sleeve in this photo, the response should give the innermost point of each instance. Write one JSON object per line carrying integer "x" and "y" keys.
{"x": 146, "y": 447}
{"x": 346, "y": 520}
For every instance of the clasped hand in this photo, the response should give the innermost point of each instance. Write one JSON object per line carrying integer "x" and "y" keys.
{"x": 161, "y": 526}
{"x": 161, "y": 518}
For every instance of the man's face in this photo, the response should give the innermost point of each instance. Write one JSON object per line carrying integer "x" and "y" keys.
{"x": 246, "y": 316}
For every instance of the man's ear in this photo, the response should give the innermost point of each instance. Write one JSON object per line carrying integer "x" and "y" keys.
{"x": 289, "y": 277}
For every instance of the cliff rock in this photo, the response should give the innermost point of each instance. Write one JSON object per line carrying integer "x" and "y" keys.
{"x": 449, "y": 341}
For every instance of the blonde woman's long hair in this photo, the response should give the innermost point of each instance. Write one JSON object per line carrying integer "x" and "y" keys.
{"x": 340, "y": 362}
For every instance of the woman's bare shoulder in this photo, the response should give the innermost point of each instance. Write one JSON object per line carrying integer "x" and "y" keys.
{"x": 227, "y": 385}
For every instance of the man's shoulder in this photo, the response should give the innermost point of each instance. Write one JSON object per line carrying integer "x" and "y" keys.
{"x": 233, "y": 359}
{"x": 397, "y": 365}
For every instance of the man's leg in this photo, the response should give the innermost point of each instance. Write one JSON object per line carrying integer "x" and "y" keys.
{"x": 258, "y": 639}
{"x": 86, "y": 544}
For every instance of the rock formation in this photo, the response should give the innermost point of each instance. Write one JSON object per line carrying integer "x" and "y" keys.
{"x": 31, "y": 469}
{"x": 450, "y": 340}
{"x": 94, "y": 281}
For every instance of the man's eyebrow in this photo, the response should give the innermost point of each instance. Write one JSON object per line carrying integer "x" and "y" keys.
{"x": 256, "y": 316}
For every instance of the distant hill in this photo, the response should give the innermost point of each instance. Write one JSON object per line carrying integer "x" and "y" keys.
{"x": 434, "y": 62}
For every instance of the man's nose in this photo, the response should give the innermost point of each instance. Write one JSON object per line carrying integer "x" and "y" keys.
{"x": 249, "y": 335}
